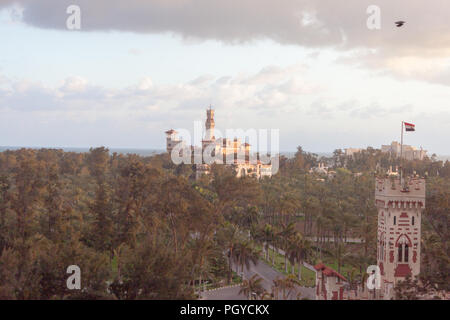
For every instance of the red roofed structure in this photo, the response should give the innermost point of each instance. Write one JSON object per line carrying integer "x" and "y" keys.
{"x": 328, "y": 271}
{"x": 329, "y": 283}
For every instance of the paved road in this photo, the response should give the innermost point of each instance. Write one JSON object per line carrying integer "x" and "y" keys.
{"x": 267, "y": 274}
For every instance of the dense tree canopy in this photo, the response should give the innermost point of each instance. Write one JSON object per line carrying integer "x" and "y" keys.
{"x": 144, "y": 228}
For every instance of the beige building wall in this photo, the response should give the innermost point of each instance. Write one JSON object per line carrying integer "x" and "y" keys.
{"x": 352, "y": 151}
{"x": 409, "y": 152}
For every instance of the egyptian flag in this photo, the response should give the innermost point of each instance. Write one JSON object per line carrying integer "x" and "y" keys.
{"x": 410, "y": 127}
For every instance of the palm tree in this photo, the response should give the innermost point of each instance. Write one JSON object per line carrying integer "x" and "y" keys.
{"x": 274, "y": 242}
{"x": 251, "y": 217}
{"x": 299, "y": 250}
{"x": 320, "y": 223}
{"x": 229, "y": 238}
{"x": 252, "y": 286}
{"x": 287, "y": 230}
{"x": 285, "y": 285}
{"x": 202, "y": 250}
{"x": 340, "y": 254}
{"x": 267, "y": 237}
{"x": 244, "y": 254}
{"x": 290, "y": 252}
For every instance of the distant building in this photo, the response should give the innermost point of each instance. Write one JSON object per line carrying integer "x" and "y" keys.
{"x": 351, "y": 151}
{"x": 409, "y": 152}
{"x": 231, "y": 152}
{"x": 323, "y": 170}
{"x": 172, "y": 140}
{"x": 230, "y": 149}
{"x": 320, "y": 169}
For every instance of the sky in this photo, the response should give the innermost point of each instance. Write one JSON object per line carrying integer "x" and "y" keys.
{"x": 311, "y": 69}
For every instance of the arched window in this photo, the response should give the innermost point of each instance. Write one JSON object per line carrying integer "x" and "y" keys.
{"x": 406, "y": 252}
{"x": 403, "y": 249}
{"x": 412, "y": 222}
{"x": 395, "y": 220}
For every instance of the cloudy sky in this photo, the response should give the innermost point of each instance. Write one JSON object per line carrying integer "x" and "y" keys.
{"x": 312, "y": 69}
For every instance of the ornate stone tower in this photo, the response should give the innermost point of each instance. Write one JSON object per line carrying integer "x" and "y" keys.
{"x": 209, "y": 125}
{"x": 399, "y": 233}
{"x": 209, "y": 142}
{"x": 171, "y": 140}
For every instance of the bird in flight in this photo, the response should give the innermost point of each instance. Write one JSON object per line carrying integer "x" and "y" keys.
{"x": 400, "y": 23}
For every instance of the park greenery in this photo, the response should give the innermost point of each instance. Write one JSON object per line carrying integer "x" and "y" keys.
{"x": 144, "y": 228}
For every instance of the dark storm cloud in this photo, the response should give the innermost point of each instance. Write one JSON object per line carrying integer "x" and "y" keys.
{"x": 304, "y": 22}
{"x": 337, "y": 24}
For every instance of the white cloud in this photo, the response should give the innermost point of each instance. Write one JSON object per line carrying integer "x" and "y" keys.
{"x": 304, "y": 22}
{"x": 74, "y": 84}
{"x": 146, "y": 84}
{"x": 307, "y": 112}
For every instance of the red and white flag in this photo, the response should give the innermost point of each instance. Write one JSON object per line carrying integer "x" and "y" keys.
{"x": 410, "y": 127}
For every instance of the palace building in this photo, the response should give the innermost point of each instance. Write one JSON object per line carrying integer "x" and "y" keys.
{"x": 230, "y": 152}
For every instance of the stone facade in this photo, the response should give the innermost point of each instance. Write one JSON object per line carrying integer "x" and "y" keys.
{"x": 400, "y": 206}
{"x": 231, "y": 152}
{"x": 400, "y": 209}
{"x": 409, "y": 152}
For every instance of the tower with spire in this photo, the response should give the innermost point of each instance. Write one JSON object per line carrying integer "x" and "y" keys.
{"x": 209, "y": 124}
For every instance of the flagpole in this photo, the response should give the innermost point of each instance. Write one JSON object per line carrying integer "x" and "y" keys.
{"x": 401, "y": 158}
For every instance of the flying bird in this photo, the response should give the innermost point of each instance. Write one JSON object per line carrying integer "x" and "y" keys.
{"x": 400, "y": 23}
